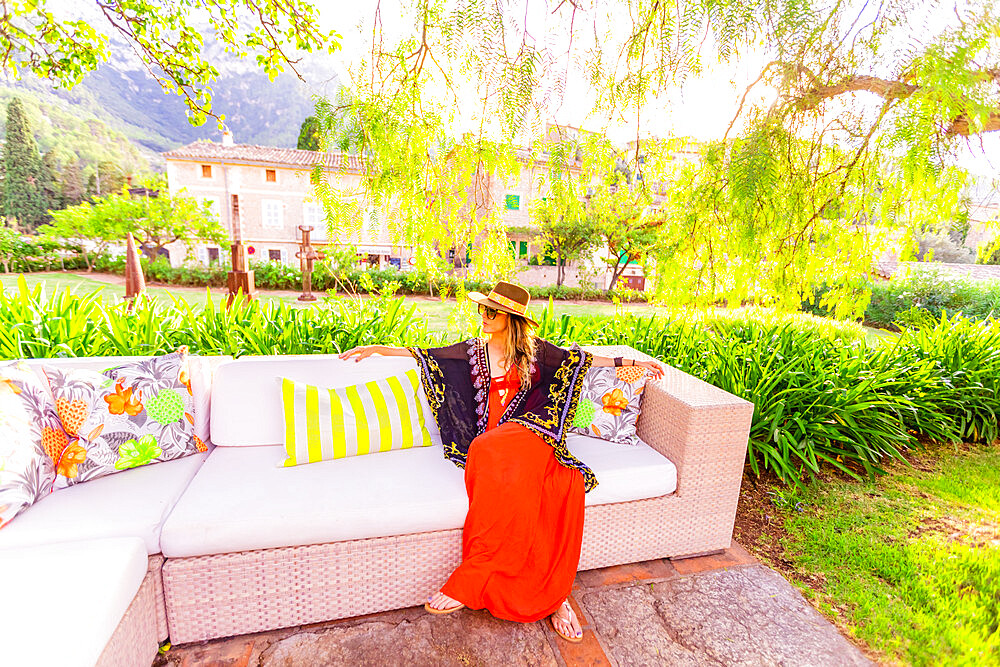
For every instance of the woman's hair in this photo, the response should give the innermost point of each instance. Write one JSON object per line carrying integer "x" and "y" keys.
{"x": 519, "y": 346}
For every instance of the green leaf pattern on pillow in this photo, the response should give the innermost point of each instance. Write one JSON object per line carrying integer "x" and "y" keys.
{"x": 139, "y": 452}
{"x": 585, "y": 411}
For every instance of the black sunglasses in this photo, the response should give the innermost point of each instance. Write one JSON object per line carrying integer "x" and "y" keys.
{"x": 490, "y": 313}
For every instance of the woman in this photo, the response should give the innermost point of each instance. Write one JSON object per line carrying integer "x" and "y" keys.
{"x": 503, "y": 406}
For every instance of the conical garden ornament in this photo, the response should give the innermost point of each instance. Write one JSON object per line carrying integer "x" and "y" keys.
{"x": 135, "y": 283}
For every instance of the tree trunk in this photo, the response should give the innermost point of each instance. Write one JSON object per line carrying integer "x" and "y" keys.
{"x": 616, "y": 273}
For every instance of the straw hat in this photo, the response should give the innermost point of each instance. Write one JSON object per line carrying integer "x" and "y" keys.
{"x": 506, "y": 297}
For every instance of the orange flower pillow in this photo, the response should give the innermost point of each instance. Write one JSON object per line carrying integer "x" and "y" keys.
{"x": 125, "y": 417}
{"x": 29, "y": 428}
{"x": 609, "y": 403}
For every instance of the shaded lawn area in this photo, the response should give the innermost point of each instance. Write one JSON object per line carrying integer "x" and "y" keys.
{"x": 435, "y": 310}
{"x": 908, "y": 564}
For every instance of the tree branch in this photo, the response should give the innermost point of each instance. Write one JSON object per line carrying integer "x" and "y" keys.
{"x": 889, "y": 89}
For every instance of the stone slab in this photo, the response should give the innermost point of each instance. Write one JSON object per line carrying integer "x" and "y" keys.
{"x": 460, "y": 639}
{"x": 739, "y": 616}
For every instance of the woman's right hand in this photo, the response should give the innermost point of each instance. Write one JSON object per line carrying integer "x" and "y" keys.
{"x": 360, "y": 352}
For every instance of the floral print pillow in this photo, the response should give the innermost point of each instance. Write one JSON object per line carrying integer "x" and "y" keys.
{"x": 29, "y": 429}
{"x": 127, "y": 416}
{"x": 609, "y": 403}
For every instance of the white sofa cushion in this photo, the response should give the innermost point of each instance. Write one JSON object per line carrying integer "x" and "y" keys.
{"x": 624, "y": 472}
{"x": 246, "y": 400}
{"x": 132, "y": 503}
{"x": 62, "y": 602}
{"x": 239, "y": 500}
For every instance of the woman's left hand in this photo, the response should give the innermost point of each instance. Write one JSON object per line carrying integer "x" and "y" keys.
{"x": 654, "y": 367}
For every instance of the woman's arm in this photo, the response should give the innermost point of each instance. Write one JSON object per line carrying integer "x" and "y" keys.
{"x": 653, "y": 366}
{"x": 363, "y": 351}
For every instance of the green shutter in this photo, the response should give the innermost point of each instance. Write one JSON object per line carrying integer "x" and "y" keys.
{"x": 513, "y": 202}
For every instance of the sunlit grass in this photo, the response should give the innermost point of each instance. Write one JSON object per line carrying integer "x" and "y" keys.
{"x": 910, "y": 561}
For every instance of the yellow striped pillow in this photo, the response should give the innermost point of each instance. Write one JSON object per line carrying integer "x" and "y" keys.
{"x": 333, "y": 423}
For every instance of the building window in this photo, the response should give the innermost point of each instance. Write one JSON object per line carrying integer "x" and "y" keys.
{"x": 213, "y": 255}
{"x": 206, "y": 171}
{"x": 271, "y": 213}
{"x": 270, "y": 175}
{"x": 312, "y": 214}
{"x": 524, "y": 249}
{"x": 512, "y": 202}
{"x": 274, "y": 255}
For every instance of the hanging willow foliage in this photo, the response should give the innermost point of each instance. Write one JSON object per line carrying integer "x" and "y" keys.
{"x": 844, "y": 144}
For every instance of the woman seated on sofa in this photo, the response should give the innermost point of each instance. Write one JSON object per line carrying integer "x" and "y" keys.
{"x": 503, "y": 406}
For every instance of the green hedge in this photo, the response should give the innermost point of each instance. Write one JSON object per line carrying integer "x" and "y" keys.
{"x": 821, "y": 394}
{"x": 276, "y": 276}
{"x": 903, "y": 301}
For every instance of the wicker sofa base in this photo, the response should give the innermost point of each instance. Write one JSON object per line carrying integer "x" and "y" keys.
{"x": 136, "y": 639}
{"x": 252, "y": 591}
{"x": 701, "y": 429}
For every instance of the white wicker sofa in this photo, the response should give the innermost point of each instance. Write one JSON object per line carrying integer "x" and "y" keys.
{"x": 250, "y": 546}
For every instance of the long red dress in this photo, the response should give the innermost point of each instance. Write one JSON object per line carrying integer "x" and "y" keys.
{"x": 523, "y": 533}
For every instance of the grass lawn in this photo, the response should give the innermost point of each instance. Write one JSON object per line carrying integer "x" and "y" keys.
{"x": 435, "y": 310}
{"x": 908, "y": 563}
{"x": 112, "y": 288}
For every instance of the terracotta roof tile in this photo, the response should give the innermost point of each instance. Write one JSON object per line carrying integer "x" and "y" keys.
{"x": 291, "y": 157}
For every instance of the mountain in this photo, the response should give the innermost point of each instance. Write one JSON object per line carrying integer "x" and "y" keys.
{"x": 122, "y": 100}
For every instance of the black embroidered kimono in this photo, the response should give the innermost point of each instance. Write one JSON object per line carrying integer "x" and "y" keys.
{"x": 456, "y": 379}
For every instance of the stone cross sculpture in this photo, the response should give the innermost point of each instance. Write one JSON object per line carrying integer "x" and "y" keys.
{"x": 307, "y": 255}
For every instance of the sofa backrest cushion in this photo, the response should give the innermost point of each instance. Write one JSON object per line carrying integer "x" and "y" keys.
{"x": 246, "y": 399}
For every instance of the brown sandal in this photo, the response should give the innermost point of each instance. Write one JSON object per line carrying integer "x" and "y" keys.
{"x": 570, "y": 638}
{"x": 438, "y": 612}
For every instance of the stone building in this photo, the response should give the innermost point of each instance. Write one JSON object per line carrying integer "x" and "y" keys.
{"x": 263, "y": 193}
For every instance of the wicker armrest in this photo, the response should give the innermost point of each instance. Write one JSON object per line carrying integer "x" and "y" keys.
{"x": 702, "y": 429}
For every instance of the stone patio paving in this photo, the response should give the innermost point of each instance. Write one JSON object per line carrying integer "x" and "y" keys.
{"x": 725, "y": 609}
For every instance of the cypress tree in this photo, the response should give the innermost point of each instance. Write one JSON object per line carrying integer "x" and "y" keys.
{"x": 72, "y": 184}
{"x": 309, "y": 135}
{"x": 22, "y": 186}
{"x": 51, "y": 181}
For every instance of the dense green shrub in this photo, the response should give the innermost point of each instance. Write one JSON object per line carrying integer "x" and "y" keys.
{"x": 35, "y": 324}
{"x": 908, "y": 298}
{"x": 821, "y": 395}
{"x": 959, "y": 399}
